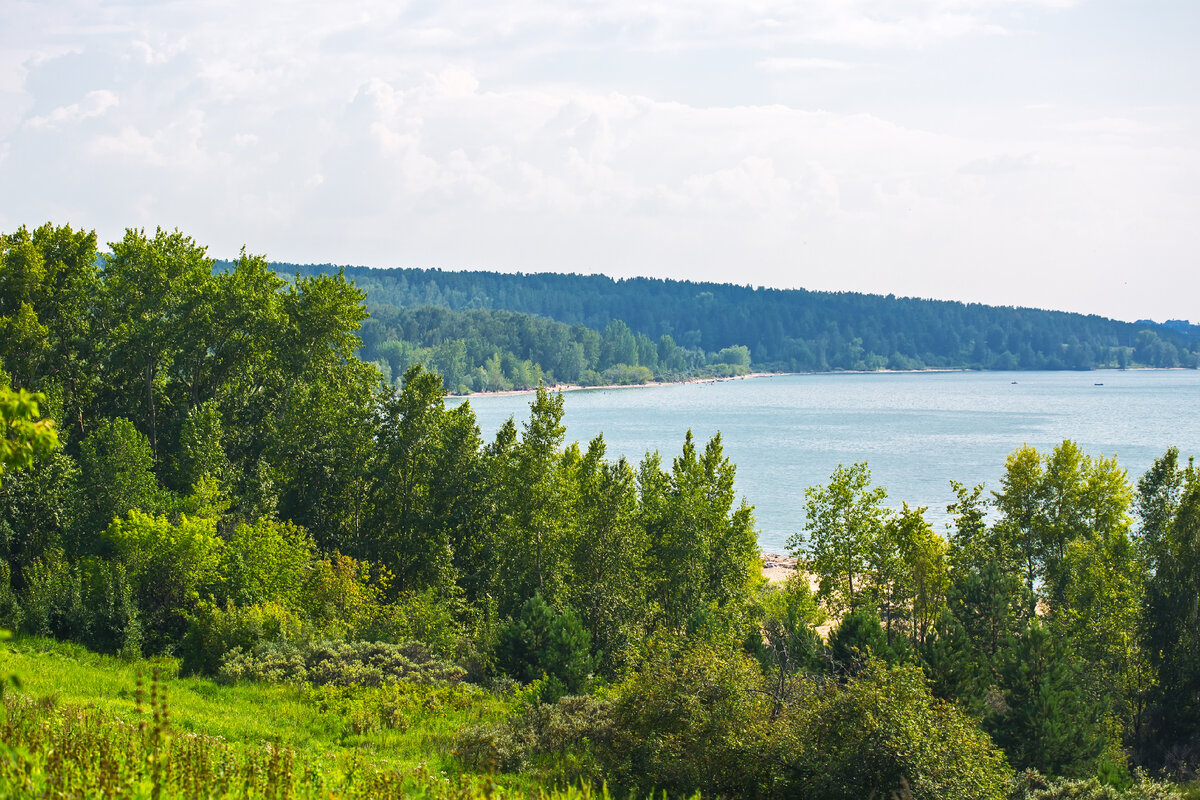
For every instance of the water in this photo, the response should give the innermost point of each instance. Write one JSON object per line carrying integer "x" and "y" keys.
{"x": 916, "y": 430}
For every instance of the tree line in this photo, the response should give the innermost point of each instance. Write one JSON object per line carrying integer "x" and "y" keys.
{"x": 481, "y": 350}
{"x": 197, "y": 464}
{"x": 792, "y": 329}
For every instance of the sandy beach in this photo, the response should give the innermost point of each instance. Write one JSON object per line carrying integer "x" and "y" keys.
{"x": 572, "y": 387}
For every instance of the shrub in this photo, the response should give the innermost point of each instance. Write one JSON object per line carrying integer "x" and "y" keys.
{"x": 1031, "y": 785}
{"x": 111, "y": 620}
{"x": 859, "y": 638}
{"x": 338, "y": 664}
{"x": 52, "y": 598}
{"x": 543, "y": 641}
{"x": 267, "y": 560}
{"x": 10, "y": 607}
{"x": 214, "y": 631}
{"x": 414, "y": 616}
{"x": 171, "y": 565}
{"x": 689, "y": 722}
{"x": 90, "y": 602}
{"x": 878, "y": 734}
{"x": 558, "y": 740}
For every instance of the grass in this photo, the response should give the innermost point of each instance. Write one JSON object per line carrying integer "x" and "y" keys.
{"x": 69, "y": 699}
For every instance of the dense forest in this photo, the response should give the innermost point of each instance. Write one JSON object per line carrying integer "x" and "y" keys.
{"x": 200, "y": 477}
{"x": 783, "y": 330}
{"x": 481, "y": 350}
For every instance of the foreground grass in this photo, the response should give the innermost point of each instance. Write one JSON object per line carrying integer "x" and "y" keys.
{"x": 85, "y": 725}
{"x": 408, "y": 726}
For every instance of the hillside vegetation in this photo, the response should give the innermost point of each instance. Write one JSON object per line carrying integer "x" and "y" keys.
{"x": 457, "y": 321}
{"x": 346, "y": 591}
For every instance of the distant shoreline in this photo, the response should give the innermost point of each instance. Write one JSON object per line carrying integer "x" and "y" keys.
{"x": 573, "y": 387}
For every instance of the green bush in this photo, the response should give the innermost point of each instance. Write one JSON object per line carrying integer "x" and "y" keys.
{"x": 266, "y": 561}
{"x": 543, "y": 641}
{"x": 881, "y": 734}
{"x": 214, "y": 631}
{"x": 859, "y": 637}
{"x": 691, "y": 721}
{"x": 11, "y": 613}
{"x": 413, "y": 616}
{"x": 52, "y": 599}
{"x": 111, "y": 620}
{"x": 171, "y": 565}
{"x": 338, "y": 664}
{"x": 562, "y": 741}
{"x": 1032, "y": 785}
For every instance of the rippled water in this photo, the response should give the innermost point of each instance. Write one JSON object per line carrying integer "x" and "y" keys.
{"x": 916, "y": 430}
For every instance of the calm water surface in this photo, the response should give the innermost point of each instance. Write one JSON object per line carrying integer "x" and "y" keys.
{"x": 917, "y": 431}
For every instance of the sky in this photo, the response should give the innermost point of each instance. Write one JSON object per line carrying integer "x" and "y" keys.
{"x": 1020, "y": 152}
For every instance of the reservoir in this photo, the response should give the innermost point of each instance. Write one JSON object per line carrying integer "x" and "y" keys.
{"x": 917, "y": 431}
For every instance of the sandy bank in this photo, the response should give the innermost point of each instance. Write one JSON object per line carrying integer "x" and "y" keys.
{"x": 571, "y": 387}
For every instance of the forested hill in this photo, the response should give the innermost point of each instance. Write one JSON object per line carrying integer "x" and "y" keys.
{"x": 791, "y": 329}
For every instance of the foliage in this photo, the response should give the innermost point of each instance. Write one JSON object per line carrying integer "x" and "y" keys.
{"x": 844, "y": 523}
{"x": 337, "y": 664}
{"x": 790, "y": 642}
{"x": 793, "y": 330}
{"x": 1030, "y": 785}
{"x": 171, "y": 565}
{"x": 544, "y": 642}
{"x": 24, "y": 435}
{"x": 213, "y": 631}
{"x": 266, "y": 561}
{"x": 116, "y": 476}
{"x": 689, "y": 721}
{"x": 562, "y": 740}
{"x": 882, "y": 735}
{"x": 1169, "y": 501}
{"x": 859, "y": 638}
{"x": 702, "y": 550}
{"x": 1048, "y": 721}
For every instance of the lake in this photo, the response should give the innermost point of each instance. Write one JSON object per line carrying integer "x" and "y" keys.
{"x": 917, "y": 431}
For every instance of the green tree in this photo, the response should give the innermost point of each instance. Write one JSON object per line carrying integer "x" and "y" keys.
{"x": 702, "y": 547}
{"x": 1019, "y": 504}
{"x": 844, "y": 523}
{"x": 1050, "y": 721}
{"x": 956, "y": 669}
{"x": 858, "y": 638}
{"x": 924, "y": 577}
{"x": 154, "y": 299}
{"x": 542, "y": 641}
{"x": 171, "y": 565}
{"x": 1169, "y": 507}
{"x": 404, "y": 532}
{"x": 48, "y": 289}
{"x": 116, "y": 476}
{"x": 534, "y": 497}
{"x": 607, "y": 554}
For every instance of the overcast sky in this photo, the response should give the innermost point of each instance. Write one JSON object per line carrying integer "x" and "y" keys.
{"x": 1028, "y": 152}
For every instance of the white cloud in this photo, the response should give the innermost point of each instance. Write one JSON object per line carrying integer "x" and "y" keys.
{"x": 484, "y": 134}
{"x": 94, "y": 104}
{"x": 802, "y": 64}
